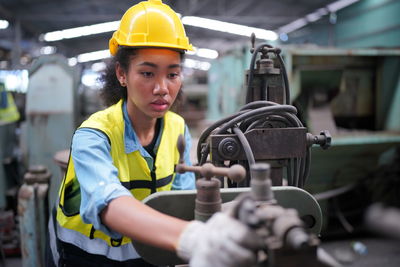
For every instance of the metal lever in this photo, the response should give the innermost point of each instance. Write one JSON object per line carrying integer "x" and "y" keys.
{"x": 236, "y": 172}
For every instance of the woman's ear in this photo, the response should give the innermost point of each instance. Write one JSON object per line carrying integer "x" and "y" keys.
{"x": 120, "y": 73}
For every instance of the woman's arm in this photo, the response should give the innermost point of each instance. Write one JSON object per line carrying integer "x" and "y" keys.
{"x": 132, "y": 218}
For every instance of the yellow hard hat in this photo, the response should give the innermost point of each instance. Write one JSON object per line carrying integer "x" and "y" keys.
{"x": 150, "y": 24}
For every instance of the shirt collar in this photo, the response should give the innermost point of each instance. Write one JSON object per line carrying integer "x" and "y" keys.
{"x": 131, "y": 141}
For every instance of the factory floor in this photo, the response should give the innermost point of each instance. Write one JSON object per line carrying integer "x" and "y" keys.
{"x": 355, "y": 252}
{"x": 364, "y": 251}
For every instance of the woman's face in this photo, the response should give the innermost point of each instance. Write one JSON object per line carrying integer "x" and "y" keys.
{"x": 153, "y": 81}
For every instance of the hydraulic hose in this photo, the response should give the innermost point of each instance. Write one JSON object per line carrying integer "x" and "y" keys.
{"x": 258, "y": 114}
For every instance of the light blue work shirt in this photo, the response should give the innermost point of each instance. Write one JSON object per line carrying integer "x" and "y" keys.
{"x": 98, "y": 177}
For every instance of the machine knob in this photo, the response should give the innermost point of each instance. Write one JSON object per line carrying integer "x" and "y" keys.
{"x": 324, "y": 139}
{"x": 328, "y": 139}
{"x": 229, "y": 148}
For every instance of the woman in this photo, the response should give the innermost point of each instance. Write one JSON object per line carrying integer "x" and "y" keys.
{"x": 126, "y": 152}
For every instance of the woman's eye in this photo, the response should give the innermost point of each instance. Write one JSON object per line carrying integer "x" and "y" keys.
{"x": 173, "y": 75}
{"x": 147, "y": 74}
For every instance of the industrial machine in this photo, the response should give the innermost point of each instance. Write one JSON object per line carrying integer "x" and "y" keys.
{"x": 249, "y": 152}
{"x": 266, "y": 128}
{"x": 51, "y": 114}
{"x": 287, "y": 219}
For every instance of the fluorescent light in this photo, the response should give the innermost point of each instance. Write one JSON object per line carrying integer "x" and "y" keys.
{"x": 232, "y": 28}
{"x": 47, "y": 50}
{"x": 96, "y": 55}
{"x": 99, "y": 66}
{"x": 91, "y": 78}
{"x": 335, "y": 6}
{"x": 188, "y": 20}
{"x": 203, "y": 52}
{"x": 196, "y": 64}
{"x": 294, "y": 25}
{"x": 72, "y": 61}
{"x": 15, "y": 80}
{"x": 3, "y": 24}
{"x": 80, "y": 31}
{"x": 314, "y": 16}
{"x": 207, "y": 53}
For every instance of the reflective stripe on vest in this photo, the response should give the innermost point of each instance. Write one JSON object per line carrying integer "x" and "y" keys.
{"x": 97, "y": 246}
{"x": 133, "y": 170}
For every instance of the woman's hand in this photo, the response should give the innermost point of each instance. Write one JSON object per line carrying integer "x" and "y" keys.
{"x": 220, "y": 242}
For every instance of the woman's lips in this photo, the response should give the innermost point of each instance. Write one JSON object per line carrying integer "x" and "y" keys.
{"x": 159, "y": 105}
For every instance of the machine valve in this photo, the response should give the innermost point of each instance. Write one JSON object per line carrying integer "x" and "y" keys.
{"x": 324, "y": 139}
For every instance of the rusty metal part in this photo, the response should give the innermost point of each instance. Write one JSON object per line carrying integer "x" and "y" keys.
{"x": 236, "y": 172}
{"x": 37, "y": 174}
{"x": 32, "y": 211}
{"x": 261, "y": 183}
{"x": 208, "y": 199}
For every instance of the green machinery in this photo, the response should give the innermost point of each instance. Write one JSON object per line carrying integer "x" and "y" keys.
{"x": 50, "y": 122}
{"x": 352, "y": 93}
{"x": 51, "y": 114}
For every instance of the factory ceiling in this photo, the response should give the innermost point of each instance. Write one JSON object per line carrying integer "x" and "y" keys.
{"x": 35, "y": 17}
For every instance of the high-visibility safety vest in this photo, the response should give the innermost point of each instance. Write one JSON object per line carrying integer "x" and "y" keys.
{"x": 8, "y": 110}
{"x": 133, "y": 172}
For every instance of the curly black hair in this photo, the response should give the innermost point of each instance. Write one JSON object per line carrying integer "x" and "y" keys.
{"x": 112, "y": 90}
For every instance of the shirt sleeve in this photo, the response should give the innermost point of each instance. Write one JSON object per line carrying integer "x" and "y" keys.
{"x": 185, "y": 181}
{"x": 97, "y": 176}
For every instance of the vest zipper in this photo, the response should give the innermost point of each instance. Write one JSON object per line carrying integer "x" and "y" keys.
{"x": 153, "y": 180}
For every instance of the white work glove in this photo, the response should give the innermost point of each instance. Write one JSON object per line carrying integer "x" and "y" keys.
{"x": 220, "y": 242}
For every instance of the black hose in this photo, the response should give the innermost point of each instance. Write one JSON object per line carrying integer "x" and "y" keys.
{"x": 285, "y": 80}
{"x": 245, "y": 145}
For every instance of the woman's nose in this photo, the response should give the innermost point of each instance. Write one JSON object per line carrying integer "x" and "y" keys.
{"x": 161, "y": 87}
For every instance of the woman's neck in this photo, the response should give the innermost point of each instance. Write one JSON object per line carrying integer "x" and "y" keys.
{"x": 143, "y": 125}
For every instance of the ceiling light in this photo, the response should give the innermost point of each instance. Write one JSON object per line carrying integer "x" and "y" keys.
{"x": 47, "y": 50}
{"x": 98, "y": 66}
{"x": 80, "y": 31}
{"x": 3, "y": 24}
{"x": 232, "y": 28}
{"x": 203, "y": 52}
{"x": 294, "y": 25}
{"x": 207, "y": 53}
{"x": 97, "y": 55}
{"x": 90, "y": 78}
{"x": 72, "y": 61}
{"x": 196, "y": 64}
{"x": 316, "y": 15}
{"x": 188, "y": 20}
{"x": 335, "y": 6}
